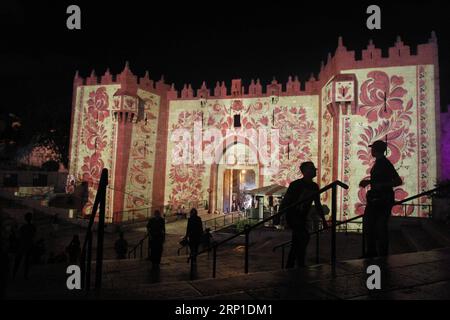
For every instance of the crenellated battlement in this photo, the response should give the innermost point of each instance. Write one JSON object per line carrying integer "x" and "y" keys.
{"x": 126, "y": 79}
{"x": 237, "y": 90}
{"x": 343, "y": 59}
{"x": 371, "y": 57}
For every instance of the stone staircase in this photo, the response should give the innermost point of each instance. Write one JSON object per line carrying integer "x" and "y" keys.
{"x": 419, "y": 259}
{"x": 230, "y": 259}
{"x": 417, "y": 275}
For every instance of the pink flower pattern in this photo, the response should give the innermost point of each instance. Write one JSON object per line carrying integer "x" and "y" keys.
{"x": 186, "y": 180}
{"x": 381, "y": 96}
{"x": 296, "y": 133}
{"x": 393, "y": 124}
{"x": 95, "y": 137}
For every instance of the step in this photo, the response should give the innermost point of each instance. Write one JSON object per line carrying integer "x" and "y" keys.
{"x": 411, "y": 272}
{"x": 424, "y": 274}
{"x": 418, "y": 238}
{"x": 438, "y": 230}
{"x": 398, "y": 244}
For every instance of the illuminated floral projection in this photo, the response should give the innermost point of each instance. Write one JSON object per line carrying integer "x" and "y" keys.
{"x": 95, "y": 137}
{"x": 326, "y": 163}
{"x": 296, "y": 135}
{"x": 140, "y": 167}
{"x": 186, "y": 179}
{"x": 392, "y": 121}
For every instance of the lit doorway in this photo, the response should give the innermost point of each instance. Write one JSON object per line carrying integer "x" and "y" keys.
{"x": 235, "y": 182}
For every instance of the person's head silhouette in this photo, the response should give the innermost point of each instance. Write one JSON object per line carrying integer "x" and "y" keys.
{"x": 193, "y": 212}
{"x": 378, "y": 148}
{"x": 308, "y": 170}
{"x": 157, "y": 213}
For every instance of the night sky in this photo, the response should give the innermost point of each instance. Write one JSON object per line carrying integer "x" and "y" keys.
{"x": 189, "y": 43}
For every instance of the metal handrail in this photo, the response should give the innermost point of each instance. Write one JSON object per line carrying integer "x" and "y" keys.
{"x": 420, "y": 195}
{"x": 401, "y": 202}
{"x": 277, "y": 214}
{"x": 317, "y": 233}
{"x": 200, "y": 204}
{"x": 86, "y": 252}
{"x": 224, "y": 217}
{"x": 139, "y": 245}
{"x": 248, "y": 229}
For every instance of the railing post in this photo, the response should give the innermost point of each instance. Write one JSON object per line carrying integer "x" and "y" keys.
{"x": 141, "y": 248}
{"x": 224, "y": 222}
{"x": 214, "y": 261}
{"x": 247, "y": 233}
{"x": 333, "y": 224}
{"x": 89, "y": 261}
{"x": 215, "y": 224}
{"x": 282, "y": 257}
{"x": 101, "y": 231}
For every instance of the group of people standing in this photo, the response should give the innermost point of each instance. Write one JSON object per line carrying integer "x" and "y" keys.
{"x": 156, "y": 231}
{"x": 380, "y": 199}
{"x": 296, "y": 204}
{"x": 25, "y": 250}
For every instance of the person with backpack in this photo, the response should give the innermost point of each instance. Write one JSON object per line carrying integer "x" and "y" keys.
{"x": 297, "y": 214}
{"x": 194, "y": 232}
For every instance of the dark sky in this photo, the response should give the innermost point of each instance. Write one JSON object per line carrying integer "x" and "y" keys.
{"x": 189, "y": 42}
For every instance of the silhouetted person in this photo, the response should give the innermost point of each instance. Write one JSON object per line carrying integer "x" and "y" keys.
{"x": 121, "y": 247}
{"x": 74, "y": 250}
{"x": 25, "y": 246}
{"x": 380, "y": 199}
{"x": 156, "y": 228}
{"x": 297, "y": 215}
{"x": 194, "y": 232}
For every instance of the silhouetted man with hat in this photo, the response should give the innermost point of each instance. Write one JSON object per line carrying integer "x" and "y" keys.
{"x": 380, "y": 200}
{"x": 297, "y": 214}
